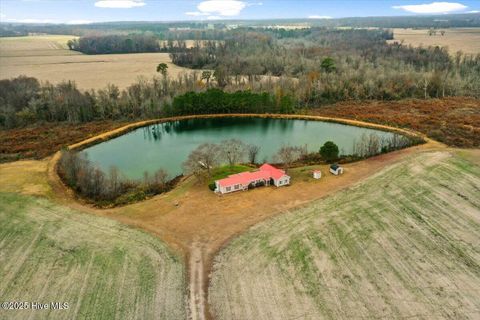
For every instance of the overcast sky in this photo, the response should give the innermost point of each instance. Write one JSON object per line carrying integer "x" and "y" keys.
{"x": 85, "y": 11}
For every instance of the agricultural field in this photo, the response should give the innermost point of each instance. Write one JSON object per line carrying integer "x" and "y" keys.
{"x": 47, "y": 58}
{"x": 401, "y": 244}
{"x": 102, "y": 269}
{"x": 466, "y": 40}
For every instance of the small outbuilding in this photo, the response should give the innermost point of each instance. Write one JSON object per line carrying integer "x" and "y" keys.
{"x": 317, "y": 174}
{"x": 336, "y": 169}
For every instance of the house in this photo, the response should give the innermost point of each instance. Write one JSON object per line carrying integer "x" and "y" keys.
{"x": 317, "y": 174}
{"x": 264, "y": 176}
{"x": 336, "y": 169}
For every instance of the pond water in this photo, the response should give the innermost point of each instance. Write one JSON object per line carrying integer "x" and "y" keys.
{"x": 167, "y": 145}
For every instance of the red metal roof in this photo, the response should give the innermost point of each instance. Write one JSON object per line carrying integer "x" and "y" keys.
{"x": 274, "y": 172}
{"x": 265, "y": 172}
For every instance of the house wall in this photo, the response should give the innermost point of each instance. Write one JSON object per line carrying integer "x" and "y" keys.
{"x": 229, "y": 189}
{"x": 283, "y": 181}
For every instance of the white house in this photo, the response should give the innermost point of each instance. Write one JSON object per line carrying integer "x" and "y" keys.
{"x": 264, "y": 176}
{"x": 317, "y": 174}
{"x": 336, "y": 169}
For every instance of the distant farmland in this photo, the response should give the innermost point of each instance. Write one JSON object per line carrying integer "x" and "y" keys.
{"x": 403, "y": 244}
{"x": 466, "y": 40}
{"x": 48, "y": 58}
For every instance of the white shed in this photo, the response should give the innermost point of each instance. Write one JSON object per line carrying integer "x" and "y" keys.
{"x": 317, "y": 174}
{"x": 336, "y": 169}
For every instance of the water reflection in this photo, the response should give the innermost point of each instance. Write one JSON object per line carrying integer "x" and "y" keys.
{"x": 167, "y": 145}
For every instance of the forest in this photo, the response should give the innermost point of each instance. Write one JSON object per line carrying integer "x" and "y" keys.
{"x": 251, "y": 71}
{"x": 105, "y": 44}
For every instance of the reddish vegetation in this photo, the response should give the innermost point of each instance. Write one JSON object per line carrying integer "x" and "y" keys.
{"x": 453, "y": 121}
{"x": 41, "y": 141}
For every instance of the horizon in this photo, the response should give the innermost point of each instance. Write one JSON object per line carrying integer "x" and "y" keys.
{"x": 108, "y": 11}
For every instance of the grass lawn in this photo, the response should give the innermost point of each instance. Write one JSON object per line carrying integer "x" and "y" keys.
{"x": 225, "y": 171}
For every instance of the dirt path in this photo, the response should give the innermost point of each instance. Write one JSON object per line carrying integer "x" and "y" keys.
{"x": 196, "y": 300}
{"x": 197, "y": 223}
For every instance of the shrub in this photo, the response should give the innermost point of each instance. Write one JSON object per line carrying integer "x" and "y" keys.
{"x": 329, "y": 151}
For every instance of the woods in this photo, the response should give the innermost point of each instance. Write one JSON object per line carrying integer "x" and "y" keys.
{"x": 104, "y": 44}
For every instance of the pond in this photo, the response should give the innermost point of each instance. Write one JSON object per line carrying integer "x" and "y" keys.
{"x": 167, "y": 145}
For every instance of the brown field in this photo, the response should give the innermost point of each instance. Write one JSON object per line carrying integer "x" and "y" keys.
{"x": 453, "y": 121}
{"x": 466, "y": 40}
{"x": 48, "y": 59}
{"x": 43, "y": 140}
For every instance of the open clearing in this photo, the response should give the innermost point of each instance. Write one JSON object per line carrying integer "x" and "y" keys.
{"x": 47, "y": 58}
{"x": 466, "y": 40}
{"x": 102, "y": 269}
{"x": 402, "y": 244}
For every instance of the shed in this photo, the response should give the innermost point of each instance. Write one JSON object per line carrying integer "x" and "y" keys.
{"x": 317, "y": 174}
{"x": 336, "y": 169}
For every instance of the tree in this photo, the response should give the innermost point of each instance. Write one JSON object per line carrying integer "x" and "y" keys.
{"x": 202, "y": 159}
{"x": 329, "y": 151}
{"x": 328, "y": 65}
{"x": 252, "y": 151}
{"x": 233, "y": 151}
{"x": 221, "y": 76}
{"x": 288, "y": 154}
{"x": 206, "y": 75}
{"x": 162, "y": 68}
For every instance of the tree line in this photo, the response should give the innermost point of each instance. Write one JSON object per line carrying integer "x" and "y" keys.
{"x": 215, "y": 101}
{"x": 362, "y": 65}
{"x": 206, "y": 157}
{"x": 115, "y": 43}
{"x": 25, "y": 101}
{"x": 109, "y": 188}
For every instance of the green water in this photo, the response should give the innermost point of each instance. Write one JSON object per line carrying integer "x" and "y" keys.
{"x": 167, "y": 145}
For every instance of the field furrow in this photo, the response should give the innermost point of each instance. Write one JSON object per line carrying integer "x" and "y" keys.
{"x": 102, "y": 269}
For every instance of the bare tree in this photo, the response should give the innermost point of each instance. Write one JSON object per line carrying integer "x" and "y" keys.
{"x": 233, "y": 151}
{"x": 160, "y": 177}
{"x": 252, "y": 151}
{"x": 114, "y": 179}
{"x": 202, "y": 159}
{"x": 288, "y": 154}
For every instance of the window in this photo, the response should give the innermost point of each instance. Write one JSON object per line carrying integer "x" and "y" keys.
{"x": 237, "y": 186}
{"x": 228, "y": 188}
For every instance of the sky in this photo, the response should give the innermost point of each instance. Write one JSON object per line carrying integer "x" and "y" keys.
{"x": 86, "y": 11}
